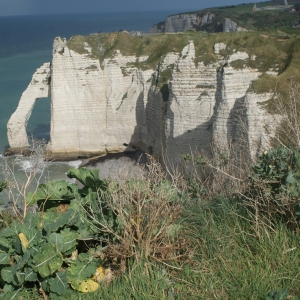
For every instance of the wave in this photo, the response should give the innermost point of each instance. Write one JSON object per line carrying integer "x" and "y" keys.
{"x": 28, "y": 165}
{"x": 41, "y": 166}
{"x": 74, "y": 163}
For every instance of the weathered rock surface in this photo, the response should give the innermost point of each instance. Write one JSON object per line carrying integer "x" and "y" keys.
{"x": 195, "y": 21}
{"x": 39, "y": 87}
{"x": 94, "y": 110}
{"x": 231, "y": 26}
{"x": 116, "y": 106}
{"x": 183, "y": 22}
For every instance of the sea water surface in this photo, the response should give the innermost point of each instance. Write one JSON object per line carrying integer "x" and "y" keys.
{"x": 26, "y": 43}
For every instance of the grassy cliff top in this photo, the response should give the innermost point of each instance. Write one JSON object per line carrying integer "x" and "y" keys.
{"x": 262, "y": 20}
{"x": 277, "y": 52}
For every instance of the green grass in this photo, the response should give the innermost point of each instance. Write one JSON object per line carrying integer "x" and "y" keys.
{"x": 156, "y": 47}
{"x": 274, "y": 50}
{"x": 234, "y": 255}
{"x": 236, "y": 259}
{"x": 233, "y": 259}
{"x": 264, "y": 20}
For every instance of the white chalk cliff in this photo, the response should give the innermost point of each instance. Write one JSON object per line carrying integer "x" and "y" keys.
{"x": 183, "y": 22}
{"x": 198, "y": 21}
{"x": 39, "y": 87}
{"x": 113, "y": 106}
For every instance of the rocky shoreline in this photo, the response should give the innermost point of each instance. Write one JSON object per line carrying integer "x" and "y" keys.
{"x": 119, "y": 166}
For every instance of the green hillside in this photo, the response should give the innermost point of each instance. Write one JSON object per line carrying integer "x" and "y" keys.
{"x": 271, "y": 16}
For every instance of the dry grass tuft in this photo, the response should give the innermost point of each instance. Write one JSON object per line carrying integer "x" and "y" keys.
{"x": 149, "y": 216}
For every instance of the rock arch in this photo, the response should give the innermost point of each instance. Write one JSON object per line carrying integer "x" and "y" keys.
{"x": 39, "y": 87}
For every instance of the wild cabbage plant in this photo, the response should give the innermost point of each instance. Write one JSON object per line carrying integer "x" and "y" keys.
{"x": 44, "y": 249}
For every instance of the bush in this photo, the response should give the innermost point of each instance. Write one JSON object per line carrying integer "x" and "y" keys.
{"x": 149, "y": 219}
{"x": 46, "y": 249}
{"x": 275, "y": 183}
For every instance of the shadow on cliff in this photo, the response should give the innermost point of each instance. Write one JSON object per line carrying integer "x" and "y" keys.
{"x": 238, "y": 128}
{"x": 150, "y": 119}
{"x": 236, "y": 123}
{"x": 156, "y": 120}
{"x": 154, "y": 132}
{"x": 200, "y": 138}
{"x": 136, "y": 138}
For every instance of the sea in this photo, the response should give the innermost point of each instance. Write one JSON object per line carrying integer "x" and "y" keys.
{"x": 26, "y": 43}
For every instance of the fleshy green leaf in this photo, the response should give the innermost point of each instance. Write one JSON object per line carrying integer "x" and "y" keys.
{"x": 20, "y": 276}
{"x": 65, "y": 240}
{"x": 54, "y": 220}
{"x": 70, "y": 239}
{"x": 67, "y": 295}
{"x": 89, "y": 178}
{"x": 31, "y": 221}
{"x": 8, "y": 288}
{"x": 15, "y": 226}
{"x": 58, "y": 284}
{"x": 23, "y": 260}
{"x": 47, "y": 261}
{"x": 5, "y": 243}
{"x": 11, "y": 295}
{"x": 53, "y": 191}
{"x": 30, "y": 275}
{"x": 33, "y": 236}
{"x": 81, "y": 271}
{"x": 7, "y": 274}
{"x": 57, "y": 240}
{"x": 4, "y": 259}
{"x": 7, "y": 232}
{"x": 45, "y": 284}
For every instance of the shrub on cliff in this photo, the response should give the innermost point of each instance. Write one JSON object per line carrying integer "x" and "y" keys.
{"x": 275, "y": 184}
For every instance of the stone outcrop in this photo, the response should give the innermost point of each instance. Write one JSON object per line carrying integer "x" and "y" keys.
{"x": 39, "y": 87}
{"x": 114, "y": 106}
{"x": 231, "y": 26}
{"x": 183, "y": 22}
{"x": 195, "y": 21}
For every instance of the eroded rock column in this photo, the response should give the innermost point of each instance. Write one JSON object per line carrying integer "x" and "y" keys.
{"x": 39, "y": 87}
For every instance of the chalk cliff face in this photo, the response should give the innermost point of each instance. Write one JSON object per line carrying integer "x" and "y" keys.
{"x": 39, "y": 87}
{"x": 231, "y": 26}
{"x": 208, "y": 106}
{"x": 114, "y": 105}
{"x": 183, "y": 22}
{"x": 195, "y": 21}
{"x": 95, "y": 110}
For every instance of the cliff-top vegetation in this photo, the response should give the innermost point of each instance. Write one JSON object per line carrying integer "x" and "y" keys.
{"x": 260, "y": 20}
{"x": 268, "y": 51}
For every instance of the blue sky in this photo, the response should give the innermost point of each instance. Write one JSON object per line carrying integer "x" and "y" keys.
{"x": 31, "y": 7}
